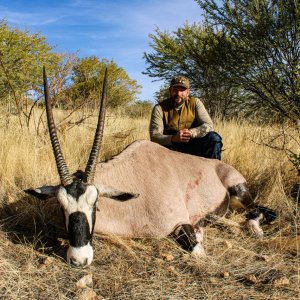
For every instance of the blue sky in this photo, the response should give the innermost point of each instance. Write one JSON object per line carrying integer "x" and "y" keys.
{"x": 115, "y": 30}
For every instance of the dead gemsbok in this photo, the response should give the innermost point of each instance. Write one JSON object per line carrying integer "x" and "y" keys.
{"x": 170, "y": 193}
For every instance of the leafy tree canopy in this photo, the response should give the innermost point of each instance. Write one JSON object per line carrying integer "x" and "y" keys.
{"x": 265, "y": 53}
{"x": 244, "y": 55}
{"x": 21, "y": 57}
{"x": 73, "y": 82}
{"x": 87, "y": 80}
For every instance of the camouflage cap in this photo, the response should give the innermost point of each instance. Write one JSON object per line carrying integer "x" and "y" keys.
{"x": 180, "y": 81}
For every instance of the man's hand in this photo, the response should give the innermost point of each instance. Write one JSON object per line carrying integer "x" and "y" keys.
{"x": 182, "y": 136}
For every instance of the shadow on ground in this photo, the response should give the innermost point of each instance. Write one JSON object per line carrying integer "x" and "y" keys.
{"x": 35, "y": 222}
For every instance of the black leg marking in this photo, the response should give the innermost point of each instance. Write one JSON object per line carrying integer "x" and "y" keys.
{"x": 242, "y": 192}
{"x": 268, "y": 214}
{"x": 186, "y": 237}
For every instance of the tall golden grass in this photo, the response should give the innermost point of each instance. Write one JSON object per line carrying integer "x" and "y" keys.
{"x": 237, "y": 265}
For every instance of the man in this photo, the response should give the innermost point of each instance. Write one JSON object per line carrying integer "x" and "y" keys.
{"x": 181, "y": 123}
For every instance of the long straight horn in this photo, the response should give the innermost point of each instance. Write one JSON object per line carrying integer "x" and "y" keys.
{"x": 91, "y": 164}
{"x": 62, "y": 168}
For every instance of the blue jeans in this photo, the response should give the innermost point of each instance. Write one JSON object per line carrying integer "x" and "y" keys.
{"x": 209, "y": 146}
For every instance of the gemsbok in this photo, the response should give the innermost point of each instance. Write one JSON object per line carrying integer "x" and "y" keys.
{"x": 169, "y": 193}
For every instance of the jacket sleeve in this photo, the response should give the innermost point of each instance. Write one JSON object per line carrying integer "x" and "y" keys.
{"x": 203, "y": 118}
{"x": 157, "y": 127}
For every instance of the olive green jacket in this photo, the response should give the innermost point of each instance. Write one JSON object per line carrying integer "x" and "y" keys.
{"x": 166, "y": 120}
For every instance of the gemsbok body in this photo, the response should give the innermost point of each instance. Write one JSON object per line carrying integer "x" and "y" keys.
{"x": 168, "y": 192}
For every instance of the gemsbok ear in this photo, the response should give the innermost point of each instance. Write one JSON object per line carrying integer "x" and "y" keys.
{"x": 112, "y": 193}
{"x": 43, "y": 193}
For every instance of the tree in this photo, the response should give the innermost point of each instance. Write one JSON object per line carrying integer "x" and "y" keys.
{"x": 87, "y": 78}
{"x": 265, "y": 51}
{"x": 264, "y": 60}
{"x": 246, "y": 54}
{"x": 21, "y": 56}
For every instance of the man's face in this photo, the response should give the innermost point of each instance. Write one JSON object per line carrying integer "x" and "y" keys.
{"x": 179, "y": 94}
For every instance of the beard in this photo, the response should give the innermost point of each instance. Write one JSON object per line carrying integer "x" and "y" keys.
{"x": 178, "y": 101}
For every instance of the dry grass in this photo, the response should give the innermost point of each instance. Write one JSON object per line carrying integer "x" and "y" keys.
{"x": 237, "y": 266}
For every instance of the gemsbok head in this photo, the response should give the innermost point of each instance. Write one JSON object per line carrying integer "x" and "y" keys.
{"x": 77, "y": 195}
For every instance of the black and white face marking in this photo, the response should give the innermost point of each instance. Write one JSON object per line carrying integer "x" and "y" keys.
{"x": 79, "y": 204}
